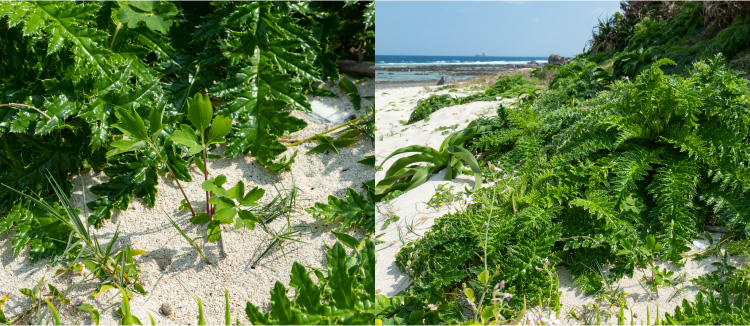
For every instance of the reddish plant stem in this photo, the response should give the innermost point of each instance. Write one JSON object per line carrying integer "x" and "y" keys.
{"x": 175, "y": 178}
{"x": 205, "y": 178}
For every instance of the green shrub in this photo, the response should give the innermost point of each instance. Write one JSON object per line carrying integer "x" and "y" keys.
{"x": 657, "y": 156}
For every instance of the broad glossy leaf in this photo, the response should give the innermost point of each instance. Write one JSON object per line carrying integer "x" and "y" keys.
{"x": 347, "y": 240}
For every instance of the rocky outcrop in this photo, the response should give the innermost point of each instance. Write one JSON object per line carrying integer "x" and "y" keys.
{"x": 554, "y": 58}
{"x": 446, "y": 80}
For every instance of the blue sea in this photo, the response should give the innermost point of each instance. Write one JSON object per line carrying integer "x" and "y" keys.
{"x": 401, "y": 68}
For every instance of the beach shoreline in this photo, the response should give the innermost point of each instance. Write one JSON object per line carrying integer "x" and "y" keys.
{"x": 430, "y": 74}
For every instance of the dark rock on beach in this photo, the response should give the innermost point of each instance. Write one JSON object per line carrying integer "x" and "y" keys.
{"x": 556, "y": 59}
{"x": 446, "y": 80}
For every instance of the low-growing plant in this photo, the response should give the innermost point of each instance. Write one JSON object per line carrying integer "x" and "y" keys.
{"x": 709, "y": 310}
{"x": 37, "y": 299}
{"x": 426, "y": 106}
{"x": 443, "y": 195}
{"x": 354, "y": 210}
{"x": 110, "y": 264}
{"x": 404, "y": 175}
{"x": 345, "y": 294}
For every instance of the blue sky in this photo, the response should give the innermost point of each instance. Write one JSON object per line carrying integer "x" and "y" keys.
{"x": 498, "y": 28}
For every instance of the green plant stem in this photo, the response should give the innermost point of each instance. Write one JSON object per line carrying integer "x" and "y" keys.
{"x": 329, "y": 130}
{"x": 175, "y": 177}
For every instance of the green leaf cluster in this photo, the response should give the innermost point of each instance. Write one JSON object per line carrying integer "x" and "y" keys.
{"x": 344, "y": 295}
{"x": 406, "y": 174}
{"x": 96, "y": 79}
{"x": 227, "y": 207}
{"x": 354, "y": 210}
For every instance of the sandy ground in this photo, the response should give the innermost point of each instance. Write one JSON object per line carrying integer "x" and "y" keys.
{"x": 393, "y": 105}
{"x": 416, "y": 218}
{"x": 172, "y": 272}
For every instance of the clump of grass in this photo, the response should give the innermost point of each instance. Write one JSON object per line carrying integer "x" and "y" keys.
{"x": 111, "y": 265}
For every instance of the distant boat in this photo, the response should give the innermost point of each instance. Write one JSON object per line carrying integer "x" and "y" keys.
{"x": 484, "y": 54}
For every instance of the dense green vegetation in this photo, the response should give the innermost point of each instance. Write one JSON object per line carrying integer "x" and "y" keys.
{"x": 142, "y": 88}
{"x": 507, "y": 86}
{"x": 70, "y": 67}
{"x": 621, "y": 161}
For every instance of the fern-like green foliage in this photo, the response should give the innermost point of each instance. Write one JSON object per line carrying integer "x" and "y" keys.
{"x": 354, "y": 210}
{"x": 708, "y": 310}
{"x": 505, "y": 86}
{"x": 658, "y": 155}
{"x": 344, "y": 295}
{"x": 72, "y": 65}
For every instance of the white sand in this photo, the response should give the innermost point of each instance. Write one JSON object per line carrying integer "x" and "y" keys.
{"x": 172, "y": 272}
{"x": 416, "y": 218}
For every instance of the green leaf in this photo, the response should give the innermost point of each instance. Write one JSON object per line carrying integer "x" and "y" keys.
{"x": 347, "y": 240}
{"x": 354, "y": 210}
{"x": 132, "y": 125}
{"x": 201, "y": 318}
{"x": 219, "y": 128}
{"x": 281, "y": 305}
{"x": 252, "y": 196}
{"x": 186, "y": 136}
{"x": 198, "y": 161}
{"x": 225, "y": 215}
{"x": 200, "y": 112}
{"x": 124, "y": 146}
{"x": 200, "y": 218}
{"x": 246, "y": 219}
{"x": 157, "y": 15}
{"x": 484, "y": 276}
{"x": 213, "y": 231}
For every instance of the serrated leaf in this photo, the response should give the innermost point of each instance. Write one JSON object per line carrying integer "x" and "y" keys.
{"x": 347, "y": 240}
{"x": 354, "y": 210}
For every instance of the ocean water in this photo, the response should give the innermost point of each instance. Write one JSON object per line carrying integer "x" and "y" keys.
{"x": 424, "y": 68}
{"x": 422, "y": 60}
